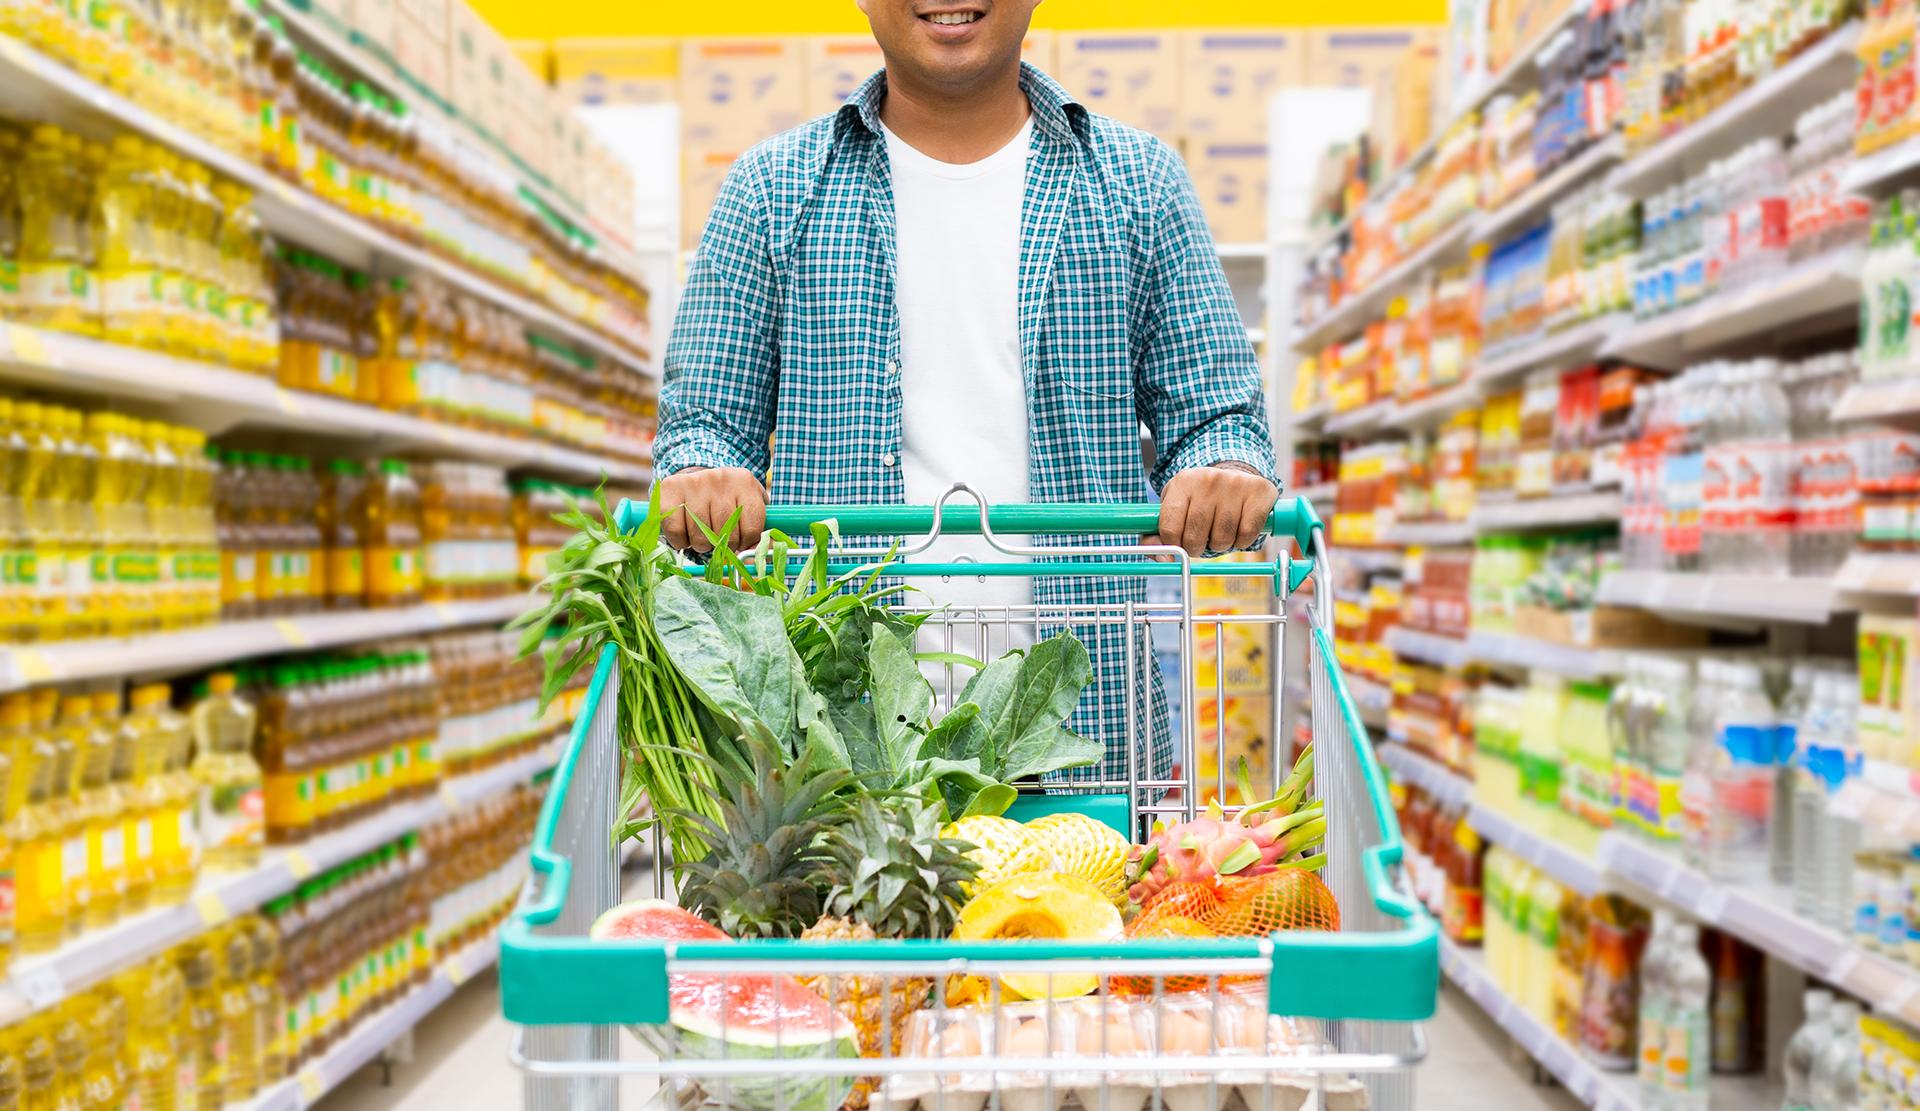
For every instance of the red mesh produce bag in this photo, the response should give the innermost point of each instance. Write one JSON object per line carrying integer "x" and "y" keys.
{"x": 1289, "y": 899}
{"x": 1167, "y": 925}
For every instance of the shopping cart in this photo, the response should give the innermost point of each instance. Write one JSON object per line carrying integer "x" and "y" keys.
{"x": 1346, "y": 1005}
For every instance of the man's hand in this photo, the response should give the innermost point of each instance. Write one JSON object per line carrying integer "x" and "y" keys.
{"x": 1214, "y": 509}
{"x": 711, "y": 495}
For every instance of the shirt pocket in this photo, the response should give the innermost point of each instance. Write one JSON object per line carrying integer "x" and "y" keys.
{"x": 1086, "y": 342}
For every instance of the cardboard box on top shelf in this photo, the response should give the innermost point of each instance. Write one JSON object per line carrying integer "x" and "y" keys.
{"x": 836, "y": 66}
{"x": 1350, "y": 57}
{"x": 703, "y": 169}
{"x": 475, "y": 55}
{"x": 1231, "y": 178}
{"x": 735, "y": 92}
{"x": 610, "y": 188}
{"x": 1228, "y": 77}
{"x": 422, "y": 48}
{"x": 1133, "y": 77}
{"x": 377, "y": 21}
{"x": 617, "y": 70}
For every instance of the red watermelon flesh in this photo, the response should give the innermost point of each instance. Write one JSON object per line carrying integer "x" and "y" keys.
{"x": 737, "y": 1015}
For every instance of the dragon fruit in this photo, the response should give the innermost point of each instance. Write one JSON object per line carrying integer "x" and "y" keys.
{"x": 1264, "y": 837}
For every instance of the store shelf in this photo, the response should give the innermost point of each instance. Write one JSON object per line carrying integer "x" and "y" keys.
{"x": 1321, "y": 494}
{"x": 1431, "y": 534}
{"x": 1895, "y": 402}
{"x": 1357, "y": 422}
{"x": 1354, "y": 312}
{"x": 1537, "y": 199}
{"x": 1884, "y": 171}
{"x": 1604, "y": 1091}
{"x": 1370, "y": 559}
{"x": 1426, "y": 773}
{"x": 1568, "y": 347}
{"x": 1556, "y": 511}
{"x": 1428, "y": 648}
{"x": 1310, "y": 419}
{"x": 169, "y": 653}
{"x": 1767, "y": 107}
{"x": 37, "y": 982}
{"x": 1807, "y": 601}
{"x": 35, "y": 86}
{"x": 1243, "y": 252}
{"x": 1879, "y": 573}
{"x": 375, "y": 1033}
{"x": 1372, "y": 699}
{"x": 1825, "y": 286}
{"x": 1434, "y": 409}
{"x": 1526, "y": 653}
{"x": 216, "y": 399}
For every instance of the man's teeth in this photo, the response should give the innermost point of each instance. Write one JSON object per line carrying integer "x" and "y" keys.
{"x": 950, "y": 18}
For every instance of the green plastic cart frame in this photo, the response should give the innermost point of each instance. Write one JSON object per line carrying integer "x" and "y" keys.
{"x": 1366, "y": 987}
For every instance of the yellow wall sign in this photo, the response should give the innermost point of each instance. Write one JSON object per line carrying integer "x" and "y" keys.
{"x": 533, "y": 19}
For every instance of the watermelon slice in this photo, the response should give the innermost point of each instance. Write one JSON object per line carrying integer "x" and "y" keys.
{"x": 741, "y": 1016}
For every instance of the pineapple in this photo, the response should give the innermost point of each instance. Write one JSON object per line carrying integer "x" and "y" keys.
{"x": 1002, "y": 848}
{"x": 1088, "y": 848}
{"x": 914, "y": 892}
{"x": 759, "y": 878}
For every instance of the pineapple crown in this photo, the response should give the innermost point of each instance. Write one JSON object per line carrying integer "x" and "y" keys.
{"x": 888, "y": 867}
{"x": 757, "y": 880}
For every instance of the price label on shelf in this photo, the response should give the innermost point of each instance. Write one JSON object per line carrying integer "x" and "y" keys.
{"x": 456, "y": 970}
{"x": 295, "y": 636}
{"x": 212, "y": 908}
{"x": 287, "y": 402}
{"x": 312, "y": 1086}
{"x": 33, "y": 666}
{"x": 298, "y": 865}
{"x": 449, "y": 797}
{"x": 40, "y": 985}
{"x": 27, "y": 345}
{"x": 1711, "y": 903}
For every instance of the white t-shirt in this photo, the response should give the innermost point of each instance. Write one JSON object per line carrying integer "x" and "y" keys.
{"x": 963, "y": 393}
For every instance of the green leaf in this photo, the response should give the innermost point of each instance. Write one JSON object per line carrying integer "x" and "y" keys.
{"x": 728, "y": 645}
{"x": 1242, "y": 856}
{"x": 992, "y": 800}
{"x": 1027, "y": 732}
{"x": 902, "y": 699}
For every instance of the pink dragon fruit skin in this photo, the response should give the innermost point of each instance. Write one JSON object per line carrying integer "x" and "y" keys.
{"x": 1196, "y": 850}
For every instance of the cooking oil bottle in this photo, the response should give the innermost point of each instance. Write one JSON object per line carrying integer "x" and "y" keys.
{"x": 176, "y": 840}
{"x": 56, "y": 287}
{"x": 38, "y": 1073}
{"x": 134, "y": 777}
{"x": 129, "y": 310}
{"x": 38, "y": 565}
{"x": 235, "y": 964}
{"x": 108, "y": 763}
{"x": 391, "y": 512}
{"x": 162, "y": 1073}
{"x": 205, "y": 1032}
{"x": 232, "y": 804}
{"x": 70, "y": 746}
{"x": 13, "y": 1083}
{"x": 13, "y": 732}
{"x": 105, "y": 1079}
{"x": 269, "y": 1003}
{"x": 80, "y": 465}
{"x": 69, "y": 1057}
{"x": 40, "y": 895}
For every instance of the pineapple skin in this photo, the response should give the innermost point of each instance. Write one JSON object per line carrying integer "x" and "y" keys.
{"x": 878, "y": 1012}
{"x": 1002, "y": 848}
{"x": 1088, "y": 848}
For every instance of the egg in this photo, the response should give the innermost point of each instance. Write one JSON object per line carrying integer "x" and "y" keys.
{"x": 1029, "y": 1039}
{"x": 960, "y": 1039}
{"x": 1183, "y": 1034}
{"x": 1119, "y": 1034}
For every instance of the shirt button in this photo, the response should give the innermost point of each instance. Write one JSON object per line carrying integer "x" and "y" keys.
{"x": 887, "y": 459}
{"x": 893, "y": 366}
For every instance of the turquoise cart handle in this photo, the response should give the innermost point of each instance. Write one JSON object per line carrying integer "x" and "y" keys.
{"x": 1291, "y": 516}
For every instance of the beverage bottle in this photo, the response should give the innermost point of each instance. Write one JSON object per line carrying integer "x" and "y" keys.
{"x": 78, "y": 464}
{"x": 106, "y": 1078}
{"x": 41, "y": 898}
{"x": 13, "y": 742}
{"x": 231, "y": 807}
{"x": 69, "y": 1059}
{"x": 339, "y": 515}
{"x": 13, "y": 1081}
{"x": 70, "y": 744}
{"x": 206, "y": 1045}
{"x": 1835, "y": 1077}
{"x": 1739, "y": 765}
{"x": 176, "y": 839}
{"x": 136, "y": 776}
{"x": 129, "y": 310}
{"x": 1789, "y": 733}
{"x": 1803, "y": 1047}
{"x": 1733, "y": 1010}
{"x": 239, "y": 566}
{"x": 1688, "y": 1050}
{"x": 1771, "y": 460}
{"x": 100, "y": 807}
{"x": 56, "y": 283}
{"x": 1655, "y": 966}
{"x": 310, "y": 535}
{"x": 233, "y": 953}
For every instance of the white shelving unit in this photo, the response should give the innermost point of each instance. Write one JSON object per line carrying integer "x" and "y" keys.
{"x": 1824, "y": 286}
{"x": 37, "y": 982}
{"x": 1552, "y": 512}
{"x": 1432, "y": 534}
{"x": 1806, "y": 601}
{"x": 1511, "y": 650}
{"x": 1429, "y": 647}
{"x": 38, "y": 87}
{"x": 1895, "y": 402}
{"x": 1880, "y": 573}
{"x": 223, "y": 642}
{"x": 216, "y": 399}
{"x": 1570, "y": 346}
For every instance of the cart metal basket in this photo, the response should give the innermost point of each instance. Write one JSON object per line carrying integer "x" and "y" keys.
{"x": 1327, "y": 1019}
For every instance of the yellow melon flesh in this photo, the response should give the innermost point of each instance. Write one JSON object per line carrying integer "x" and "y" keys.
{"x": 1044, "y": 905}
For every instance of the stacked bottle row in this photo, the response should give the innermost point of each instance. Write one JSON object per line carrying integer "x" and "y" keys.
{"x": 489, "y": 698}
{"x": 134, "y": 244}
{"x": 479, "y": 865}
{"x": 225, "y": 71}
{"x": 536, "y": 504}
{"x": 107, "y": 522}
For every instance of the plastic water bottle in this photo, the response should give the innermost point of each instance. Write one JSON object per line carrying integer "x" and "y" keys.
{"x": 1689, "y": 992}
{"x": 1769, "y": 453}
{"x": 1650, "y": 1073}
{"x": 1793, "y": 712}
{"x": 1835, "y": 1077}
{"x": 1803, "y": 1048}
{"x": 1731, "y": 775}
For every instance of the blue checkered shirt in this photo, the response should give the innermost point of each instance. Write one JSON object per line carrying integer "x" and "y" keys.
{"x": 781, "y": 349}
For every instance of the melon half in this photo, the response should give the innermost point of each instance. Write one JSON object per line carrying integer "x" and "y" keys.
{"x": 739, "y": 1016}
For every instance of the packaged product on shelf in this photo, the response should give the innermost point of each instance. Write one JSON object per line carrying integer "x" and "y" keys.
{"x": 468, "y": 548}
{"x": 230, "y": 815}
{"x": 537, "y": 534}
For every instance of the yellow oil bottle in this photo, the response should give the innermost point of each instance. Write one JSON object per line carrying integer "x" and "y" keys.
{"x": 106, "y": 1080}
{"x": 14, "y": 609}
{"x": 69, "y": 1057}
{"x": 231, "y": 814}
{"x": 134, "y": 778}
{"x": 80, "y": 468}
{"x": 56, "y": 285}
{"x": 269, "y": 1003}
{"x": 176, "y": 841}
{"x": 13, "y": 1081}
{"x": 40, "y": 563}
{"x": 205, "y": 1032}
{"x": 165, "y": 1078}
{"x": 37, "y": 1068}
{"x": 102, "y": 806}
{"x": 130, "y": 311}
{"x": 235, "y": 963}
{"x": 13, "y": 732}
{"x": 40, "y": 893}
{"x": 69, "y": 750}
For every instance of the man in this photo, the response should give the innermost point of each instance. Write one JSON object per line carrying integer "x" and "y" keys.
{"x": 963, "y": 275}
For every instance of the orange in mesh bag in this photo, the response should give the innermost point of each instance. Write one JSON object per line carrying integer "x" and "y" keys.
{"x": 1290, "y": 899}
